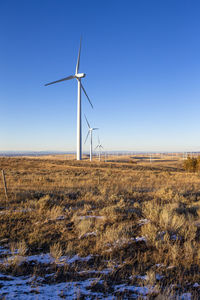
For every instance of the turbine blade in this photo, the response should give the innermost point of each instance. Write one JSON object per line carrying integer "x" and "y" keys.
{"x": 101, "y": 146}
{"x": 63, "y": 79}
{"x": 95, "y": 128}
{"x": 86, "y": 95}
{"x": 96, "y": 147}
{"x": 78, "y": 59}
{"x": 87, "y": 122}
{"x": 87, "y": 136}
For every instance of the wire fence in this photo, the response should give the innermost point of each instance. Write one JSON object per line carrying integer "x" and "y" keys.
{"x": 137, "y": 156}
{"x": 15, "y": 181}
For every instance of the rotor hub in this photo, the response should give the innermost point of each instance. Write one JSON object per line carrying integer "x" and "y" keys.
{"x": 80, "y": 75}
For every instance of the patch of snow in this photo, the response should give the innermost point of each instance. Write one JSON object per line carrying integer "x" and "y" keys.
{"x": 104, "y": 272}
{"x": 136, "y": 289}
{"x": 143, "y": 221}
{"x": 175, "y": 237}
{"x": 82, "y": 288}
{"x": 159, "y": 277}
{"x": 4, "y": 251}
{"x": 186, "y": 296}
{"x": 87, "y": 234}
{"x": 78, "y": 258}
{"x": 49, "y": 275}
{"x": 122, "y": 241}
{"x": 32, "y": 288}
{"x": 196, "y": 284}
{"x": 146, "y": 277}
{"x": 143, "y": 277}
{"x": 46, "y": 259}
{"x": 41, "y": 258}
{"x": 139, "y": 239}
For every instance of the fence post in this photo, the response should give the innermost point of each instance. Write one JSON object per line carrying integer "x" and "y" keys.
{"x": 4, "y": 183}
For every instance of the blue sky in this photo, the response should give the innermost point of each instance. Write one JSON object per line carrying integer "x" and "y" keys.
{"x": 142, "y": 65}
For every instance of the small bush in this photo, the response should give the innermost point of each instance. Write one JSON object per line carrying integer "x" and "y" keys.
{"x": 192, "y": 164}
{"x": 56, "y": 251}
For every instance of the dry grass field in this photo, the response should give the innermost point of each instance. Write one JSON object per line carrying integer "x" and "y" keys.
{"x": 126, "y": 228}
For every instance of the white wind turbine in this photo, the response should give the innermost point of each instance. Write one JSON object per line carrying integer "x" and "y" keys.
{"x": 99, "y": 146}
{"x": 77, "y": 76}
{"x": 90, "y": 133}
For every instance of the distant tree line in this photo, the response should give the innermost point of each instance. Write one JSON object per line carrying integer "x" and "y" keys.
{"x": 192, "y": 164}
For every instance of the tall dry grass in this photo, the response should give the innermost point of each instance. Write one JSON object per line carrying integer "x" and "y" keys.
{"x": 132, "y": 216}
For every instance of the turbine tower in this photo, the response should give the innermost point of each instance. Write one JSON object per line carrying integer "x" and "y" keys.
{"x": 77, "y": 76}
{"x": 99, "y": 146}
{"x": 90, "y": 133}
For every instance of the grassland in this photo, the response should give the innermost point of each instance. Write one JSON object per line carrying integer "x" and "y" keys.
{"x": 125, "y": 229}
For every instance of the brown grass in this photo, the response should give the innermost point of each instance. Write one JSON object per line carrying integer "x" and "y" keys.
{"x": 67, "y": 207}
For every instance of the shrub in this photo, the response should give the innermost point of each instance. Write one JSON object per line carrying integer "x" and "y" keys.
{"x": 191, "y": 164}
{"x": 56, "y": 251}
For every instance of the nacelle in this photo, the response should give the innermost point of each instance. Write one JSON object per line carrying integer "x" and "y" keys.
{"x": 80, "y": 75}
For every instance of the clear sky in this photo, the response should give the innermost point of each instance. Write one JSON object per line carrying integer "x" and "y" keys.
{"x": 142, "y": 65}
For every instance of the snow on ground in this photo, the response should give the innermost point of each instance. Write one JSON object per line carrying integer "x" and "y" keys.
{"x": 105, "y": 271}
{"x": 143, "y": 222}
{"x": 186, "y": 296}
{"x": 87, "y": 234}
{"x": 33, "y": 288}
{"x": 135, "y": 289}
{"x": 139, "y": 239}
{"x": 196, "y": 284}
{"x": 4, "y": 251}
{"x": 146, "y": 277}
{"x": 36, "y": 287}
{"x": 44, "y": 258}
{"x": 78, "y": 258}
{"x": 122, "y": 241}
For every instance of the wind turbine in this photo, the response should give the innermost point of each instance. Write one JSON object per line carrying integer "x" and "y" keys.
{"x": 99, "y": 146}
{"x": 90, "y": 133}
{"x": 77, "y": 76}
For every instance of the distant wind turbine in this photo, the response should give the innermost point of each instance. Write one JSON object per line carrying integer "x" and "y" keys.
{"x": 99, "y": 146}
{"x": 90, "y": 133}
{"x": 77, "y": 76}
